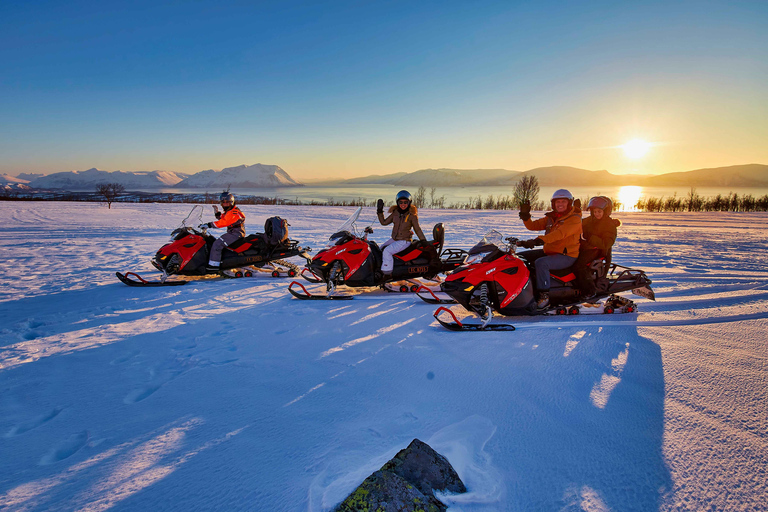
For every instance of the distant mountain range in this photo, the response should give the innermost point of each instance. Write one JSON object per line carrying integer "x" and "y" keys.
{"x": 750, "y": 175}
{"x": 270, "y": 176}
{"x": 242, "y": 176}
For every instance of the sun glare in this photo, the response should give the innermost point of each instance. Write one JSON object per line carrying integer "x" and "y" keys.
{"x": 628, "y": 197}
{"x": 636, "y": 148}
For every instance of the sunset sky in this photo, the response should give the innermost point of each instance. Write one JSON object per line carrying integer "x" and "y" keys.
{"x": 344, "y": 89}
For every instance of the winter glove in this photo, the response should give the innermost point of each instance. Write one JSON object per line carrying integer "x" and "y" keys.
{"x": 207, "y": 225}
{"x": 530, "y": 244}
{"x": 380, "y": 206}
{"x": 595, "y": 241}
{"x": 218, "y": 215}
{"x": 525, "y": 211}
{"x": 577, "y": 203}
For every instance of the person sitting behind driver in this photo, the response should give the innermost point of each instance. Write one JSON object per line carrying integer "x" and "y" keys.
{"x": 232, "y": 219}
{"x": 562, "y": 230}
{"x": 598, "y": 236}
{"x": 404, "y": 216}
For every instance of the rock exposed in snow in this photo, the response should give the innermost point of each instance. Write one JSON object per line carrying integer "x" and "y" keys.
{"x": 242, "y": 176}
{"x": 406, "y": 483}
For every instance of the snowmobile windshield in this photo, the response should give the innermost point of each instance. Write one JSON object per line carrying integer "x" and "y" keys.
{"x": 491, "y": 239}
{"x": 347, "y": 227}
{"x": 194, "y": 218}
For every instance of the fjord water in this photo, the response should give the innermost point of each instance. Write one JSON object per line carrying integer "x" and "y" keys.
{"x": 455, "y": 195}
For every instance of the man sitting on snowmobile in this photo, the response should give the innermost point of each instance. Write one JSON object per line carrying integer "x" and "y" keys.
{"x": 598, "y": 236}
{"x": 232, "y": 219}
{"x": 404, "y": 216}
{"x": 562, "y": 230}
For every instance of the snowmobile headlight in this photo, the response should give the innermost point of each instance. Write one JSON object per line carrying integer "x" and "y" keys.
{"x": 476, "y": 258}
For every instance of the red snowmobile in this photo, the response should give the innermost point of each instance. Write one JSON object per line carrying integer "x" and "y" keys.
{"x": 353, "y": 260}
{"x": 494, "y": 278}
{"x": 187, "y": 253}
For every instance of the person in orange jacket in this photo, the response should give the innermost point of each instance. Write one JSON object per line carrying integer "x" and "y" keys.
{"x": 232, "y": 219}
{"x": 562, "y": 231}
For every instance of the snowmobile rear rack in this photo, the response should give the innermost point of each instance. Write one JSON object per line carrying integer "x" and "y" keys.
{"x": 456, "y": 325}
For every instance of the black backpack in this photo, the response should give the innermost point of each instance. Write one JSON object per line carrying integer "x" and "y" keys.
{"x": 276, "y": 230}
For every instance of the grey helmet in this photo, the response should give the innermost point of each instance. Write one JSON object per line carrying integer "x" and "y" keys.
{"x": 602, "y": 202}
{"x": 562, "y": 194}
{"x": 227, "y": 196}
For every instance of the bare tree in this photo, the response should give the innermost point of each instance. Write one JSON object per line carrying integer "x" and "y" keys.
{"x": 421, "y": 197}
{"x": 109, "y": 192}
{"x": 526, "y": 190}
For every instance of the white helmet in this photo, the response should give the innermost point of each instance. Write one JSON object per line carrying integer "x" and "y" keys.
{"x": 562, "y": 194}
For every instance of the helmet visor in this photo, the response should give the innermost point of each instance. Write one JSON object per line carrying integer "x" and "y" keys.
{"x": 598, "y": 202}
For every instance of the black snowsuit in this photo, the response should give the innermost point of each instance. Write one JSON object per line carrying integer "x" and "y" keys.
{"x": 598, "y": 236}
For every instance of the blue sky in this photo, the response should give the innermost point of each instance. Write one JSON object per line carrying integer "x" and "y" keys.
{"x": 355, "y": 88}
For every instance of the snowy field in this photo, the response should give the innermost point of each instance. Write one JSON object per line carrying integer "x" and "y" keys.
{"x": 232, "y": 395}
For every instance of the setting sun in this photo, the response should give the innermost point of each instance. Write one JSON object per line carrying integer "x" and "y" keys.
{"x": 628, "y": 197}
{"x": 636, "y": 148}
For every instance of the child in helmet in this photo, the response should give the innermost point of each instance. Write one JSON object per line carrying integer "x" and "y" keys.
{"x": 562, "y": 230}
{"x": 599, "y": 235}
{"x": 232, "y": 219}
{"x": 405, "y": 217}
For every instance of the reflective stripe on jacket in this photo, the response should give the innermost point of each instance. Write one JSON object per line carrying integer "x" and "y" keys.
{"x": 232, "y": 219}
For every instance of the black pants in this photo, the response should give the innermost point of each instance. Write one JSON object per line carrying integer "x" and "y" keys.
{"x": 584, "y": 280}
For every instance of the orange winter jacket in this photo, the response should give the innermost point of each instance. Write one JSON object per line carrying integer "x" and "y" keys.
{"x": 232, "y": 219}
{"x": 561, "y": 232}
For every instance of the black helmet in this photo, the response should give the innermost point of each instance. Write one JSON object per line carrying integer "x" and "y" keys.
{"x": 403, "y": 194}
{"x": 602, "y": 202}
{"x": 562, "y": 194}
{"x": 227, "y": 196}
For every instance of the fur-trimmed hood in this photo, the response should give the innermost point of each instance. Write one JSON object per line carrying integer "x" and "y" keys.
{"x": 411, "y": 209}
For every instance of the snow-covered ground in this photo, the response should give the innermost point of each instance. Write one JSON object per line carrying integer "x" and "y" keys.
{"x": 232, "y": 395}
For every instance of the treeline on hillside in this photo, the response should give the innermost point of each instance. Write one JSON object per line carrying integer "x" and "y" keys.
{"x": 693, "y": 202}
{"x": 527, "y": 189}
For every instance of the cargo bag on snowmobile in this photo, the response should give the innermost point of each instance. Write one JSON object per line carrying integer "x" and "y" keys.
{"x": 276, "y": 230}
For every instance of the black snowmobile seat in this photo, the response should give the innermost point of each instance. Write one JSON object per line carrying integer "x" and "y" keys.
{"x": 245, "y": 243}
{"x": 413, "y": 251}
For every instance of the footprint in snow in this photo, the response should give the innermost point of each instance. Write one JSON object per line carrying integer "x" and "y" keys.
{"x": 137, "y": 395}
{"x": 65, "y": 449}
{"x": 33, "y": 423}
{"x": 125, "y": 358}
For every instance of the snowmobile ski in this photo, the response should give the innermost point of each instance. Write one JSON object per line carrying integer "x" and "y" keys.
{"x": 140, "y": 281}
{"x": 308, "y": 296}
{"x": 434, "y": 299}
{"x": 456, "y": 325}
{"x": 313, "y": 278}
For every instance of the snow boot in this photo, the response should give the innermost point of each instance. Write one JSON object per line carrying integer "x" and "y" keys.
{"x": 543, "y": 301}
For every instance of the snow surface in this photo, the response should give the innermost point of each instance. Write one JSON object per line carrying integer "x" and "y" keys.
{"x": 232, "y": 395}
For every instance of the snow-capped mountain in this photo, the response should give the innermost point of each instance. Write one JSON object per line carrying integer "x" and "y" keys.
{"x": 29, "y": 176}
{"x": 242, "y": 176}
{"x": 6, "y": 179}
{"x": 76, "y": 180}
{"x": 8, "y": 182}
